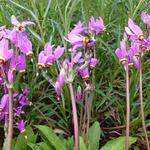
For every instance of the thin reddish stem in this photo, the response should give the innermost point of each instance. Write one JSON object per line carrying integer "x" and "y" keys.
{"x": 127, "y": 109}
{"x": 75, "y": 117}
{"x": 10, "y": 125}
{"x": 142, "y": 107}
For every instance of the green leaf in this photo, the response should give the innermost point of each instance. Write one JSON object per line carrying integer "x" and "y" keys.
{"x": 69, "y": 143}
{"x": 82, "y": 145}
{"x": 22, "y": 142}
{"x": 50, "y": 137}
{"x": 94, "y": 136}
{"x": 44, "y": 146}
{"x": 118, "y": 144}
{"x": 35, "y": 35}
{"x": 34, "y": 146}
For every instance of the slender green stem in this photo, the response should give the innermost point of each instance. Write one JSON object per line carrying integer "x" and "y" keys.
{"x": 127, "y": 109}
{"x": 75, "y": 117}
{"x": 10, "y": 125}
{"x": 142, "y": 107}
{"x": 137, "y": 7}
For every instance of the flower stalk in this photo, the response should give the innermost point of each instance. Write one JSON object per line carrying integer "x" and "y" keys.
{"x": 75, "y": 117}
{"x": 142, "y": 106}
{"x": 10, "y": 125}
{"x": 127, "y": 109}
{"x": 90, "y": 99}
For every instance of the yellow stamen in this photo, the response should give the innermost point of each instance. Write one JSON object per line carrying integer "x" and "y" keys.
{"x": 141, "y": 37}
{"x": 41, "y": 66}
{"x": 130, "y": 65}
{"x": 22, "y": 71}
{"x": 148, "y": 50}
{"x": 48, "y": 65}
{"x": 1, "y": 109}
{"x": 2, "y": 60}
{"x": 136, "y": 55}
{"x": 104, "y": 30}
{"x": 143, "y": 47}
{"x": 92, "y": 67}
{"x": 29, "y": 54}
{"x": 123, "y": 60}
{"x": 86, "y": 41}
{"x": 86, "y": 77}
{"x": 20, "y": 27}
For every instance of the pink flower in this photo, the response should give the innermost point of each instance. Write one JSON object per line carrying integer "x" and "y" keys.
{"x": 47, "y": 57}
{"x": 146, "y": 18}
{"x": 21, "y": 126}
{"x": 135, "y": 29}
{"x": 97, "y": 25}
{"x": 121, "y": 53}
{"x": 78, "y": 29}
{"x": 20, "y": 26}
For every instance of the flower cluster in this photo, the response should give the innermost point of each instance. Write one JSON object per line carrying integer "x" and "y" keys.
{"x": 135, "y": 44}
{"x": 14, "y": 59}
{"x": 20, "y": 101}
{"x": 82, "y": 54}
{"x": 48, "y": 57}
{"x": 15, "y": 46}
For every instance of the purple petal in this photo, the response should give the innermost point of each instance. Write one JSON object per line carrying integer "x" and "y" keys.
{"x": 78, "y": 29}
{"x": 5, "y": 54}
{"x": 21, "y": 65}
{"x": 84, "y": 73}
{"x": 24, "y": 44}
{"x": 4, "y": 101}
{"x": 77, "y": 57}
{"x": 61, "y": 78}
{"x": 93, "y": 62}
{"x": 96, "y": 25}
{"x": 135, "y": 28}
{"x": 79, "y": 94}
{"x": 48, "y": 49}
{"x": 14, "y": 20}
{"x": 10, "y": 75}
{"x": 145, "y": 18}
{"x": 59, "y": 52}
{"x": 25, "y": 23}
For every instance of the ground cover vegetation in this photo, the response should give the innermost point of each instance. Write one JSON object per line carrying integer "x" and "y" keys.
{"x": 74, "y": 74}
